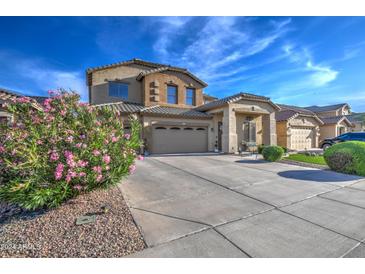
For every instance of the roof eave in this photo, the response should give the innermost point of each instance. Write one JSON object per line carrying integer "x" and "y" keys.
{"x": 208, "y": 117}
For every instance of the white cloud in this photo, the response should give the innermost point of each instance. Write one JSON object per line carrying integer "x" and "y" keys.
{"x": 313, "y": 75}
{"x": 220, "y": 43}
{"x": 48, "y": 78}
{"x": 321, "y": 75}
{"x": 168, "y": 28}
{"x": 41, "y": 76}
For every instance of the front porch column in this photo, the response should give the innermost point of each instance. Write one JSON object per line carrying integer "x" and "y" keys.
{"x": 269, "y": 129}
{"x": 229, "y": 136}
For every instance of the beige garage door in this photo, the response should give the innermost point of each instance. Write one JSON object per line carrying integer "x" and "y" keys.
{"x": 177, "y": 139}
{"x": 302, "y": 138}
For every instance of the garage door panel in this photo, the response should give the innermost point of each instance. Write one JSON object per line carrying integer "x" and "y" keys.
{"x": 302, "y": 138}
{"x": 177, "y": 139}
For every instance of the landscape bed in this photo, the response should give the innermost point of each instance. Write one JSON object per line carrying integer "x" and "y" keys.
{"x": 54, "y": 233}
{"x": 307, "y": 159}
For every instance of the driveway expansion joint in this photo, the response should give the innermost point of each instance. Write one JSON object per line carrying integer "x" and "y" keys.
{"x": 208, "y": 227}
{"x": 267, "y": 203}
{"x": 280, "y": 207}
{"x": 341, "y": 202}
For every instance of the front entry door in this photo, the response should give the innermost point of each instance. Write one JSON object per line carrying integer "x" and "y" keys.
{"x": 220, "y": 131}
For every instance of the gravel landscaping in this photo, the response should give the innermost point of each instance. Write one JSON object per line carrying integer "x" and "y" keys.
{"x": 54, "y": 233}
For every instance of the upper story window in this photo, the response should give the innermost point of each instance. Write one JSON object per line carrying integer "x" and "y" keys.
{"x": 190, "y": 96}
{"x": 171, "y": 94}
{"x": 117, "y": 89}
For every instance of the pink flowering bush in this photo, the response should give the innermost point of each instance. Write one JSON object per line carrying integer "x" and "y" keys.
{"x": 61, "y": 150}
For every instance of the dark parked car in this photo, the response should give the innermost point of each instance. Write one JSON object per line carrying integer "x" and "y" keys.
{"x": 349, "y": 136}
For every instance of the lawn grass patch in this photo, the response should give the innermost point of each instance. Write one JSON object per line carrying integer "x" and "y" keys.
{"x": 318, "y": 159}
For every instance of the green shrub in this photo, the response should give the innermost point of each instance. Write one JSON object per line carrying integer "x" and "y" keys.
{"x": 62, "y": 149}
{"x": 272, "y": 153}
{"x": 260, "y": 148}
{"x": 284, "y": 149}
{"x": 348, "y": 157}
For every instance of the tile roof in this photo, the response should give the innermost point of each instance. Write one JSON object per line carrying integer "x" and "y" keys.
{"x": 285, "y": 115}
{"x": 288, "y": 112}
{"x": 296, "y": 109}
{"x": 172, "y": 111}
{"x": 123, "y": 107}
{"x": 335, "y": 120}
{"x": 325, "y": 108}
{"x": 128, "y": 107}
{"x": 128, "y": 62}
{"x": 155, "y": 67}
{"x": 39, "y": 99}
{"x": 234, "y": 98}
{"x": 6, "y": 94}
{"x": 209, "y": 96}
{"x": 169, "y": 68}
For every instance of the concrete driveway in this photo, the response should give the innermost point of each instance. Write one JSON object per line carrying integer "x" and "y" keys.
{"x": 227, "y": 206}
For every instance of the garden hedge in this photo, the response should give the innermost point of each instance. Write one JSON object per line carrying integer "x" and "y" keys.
{"x": 347, "y": 157}
{"x": 272, "y": 153}
{"x": 55, "y": 152}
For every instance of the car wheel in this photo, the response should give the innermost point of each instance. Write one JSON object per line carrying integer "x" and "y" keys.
{"x": 325, "y": 146}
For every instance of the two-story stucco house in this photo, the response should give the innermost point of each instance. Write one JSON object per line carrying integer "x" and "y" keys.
{"x": 335, "y": 119}
{"x": 175, "y": 114}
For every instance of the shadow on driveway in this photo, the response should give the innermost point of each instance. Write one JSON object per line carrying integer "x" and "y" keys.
{"x": 315, "y": 175}
{"x": 185, "y": 154}
{"x": 252, "y": 162}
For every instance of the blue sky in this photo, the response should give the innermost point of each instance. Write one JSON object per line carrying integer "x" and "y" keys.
{"x": 293, "y": 60}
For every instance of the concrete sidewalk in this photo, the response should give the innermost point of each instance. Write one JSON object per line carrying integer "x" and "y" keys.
{"x": 226, "y": 206}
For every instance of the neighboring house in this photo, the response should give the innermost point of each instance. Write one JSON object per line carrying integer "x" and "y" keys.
{"x": 358, "y": 120}
{"x": 169, "y": 101}
{"x": 335, "y": 119}
{"x": 6, "y": 96}
{"x": 40, "y": 99}
{"x": 297, "y": 128}
{"x": 207, "y": 98}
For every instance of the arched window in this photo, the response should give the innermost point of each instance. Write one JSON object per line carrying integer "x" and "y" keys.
{"x": 175, "y": 128}
{"x": 160, "y": 128}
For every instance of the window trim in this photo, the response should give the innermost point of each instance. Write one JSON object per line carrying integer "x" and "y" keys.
{"x": 176, "y": 94}
{"x": 193, "y": 96}
{"x": 118, "y": 82}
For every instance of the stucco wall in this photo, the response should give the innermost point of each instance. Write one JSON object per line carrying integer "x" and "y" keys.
{"x": 282, "y": 134}
{"x": 327, "y": 131}
{"x": 125, "y": 74}
{"x": 155, "y": 89}
{"x": 145, "y": 91}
